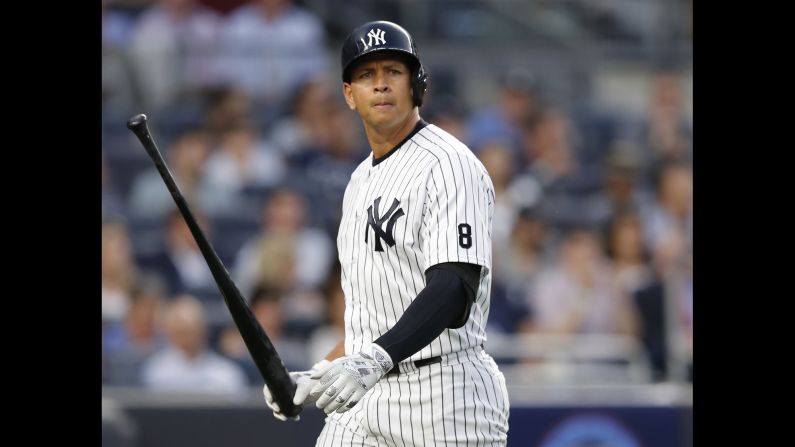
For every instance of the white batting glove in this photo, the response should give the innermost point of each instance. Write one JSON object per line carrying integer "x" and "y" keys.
{"x": 304, "y": 383}
{"x": 349, "y": 378}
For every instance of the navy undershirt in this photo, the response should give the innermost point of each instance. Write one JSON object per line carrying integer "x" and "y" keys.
{"x": 444, "y": 303}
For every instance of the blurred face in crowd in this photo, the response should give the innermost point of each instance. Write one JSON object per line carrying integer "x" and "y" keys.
{"x": 498, "y": 161}
{"x": 667, "y": 92}
{"x": 186, "y": 326}
{"x": 277, "y": 260}
{"x": 622, "y": 172}
{"x": 189, "y": 154}
{"x": 527, "y": 233}
{"x": 380, "y": 91}
{"x": 548, "y": 139}
{"x": 516, "y": 103}
{"x": 669, "y": 251}
{"x": 269, "y": 315}
{"x": 285, "y": 212}
{"x": 620, "y": 186}
{"x": 580, "y": 254}
{"x": 626, "y": 238}
{"x": 231, "y": 108}
{"x": 312, "y": 99}
{"x": 141, "y": 315}
{"x": 553, "y": 131}
{"x": 179, "y": 235}
{"x": 676, "y": 189}
{"x": 239, "y": 142}
{"x": 340, "y": 132}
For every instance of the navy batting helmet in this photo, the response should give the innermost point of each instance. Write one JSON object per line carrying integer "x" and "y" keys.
{"x": 385, "y": 36}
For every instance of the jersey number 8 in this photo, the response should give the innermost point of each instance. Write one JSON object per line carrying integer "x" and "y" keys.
{"x": 464, "y": 235}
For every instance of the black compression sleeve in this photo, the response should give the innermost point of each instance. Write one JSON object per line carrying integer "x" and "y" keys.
{"x": 444, "y": 303}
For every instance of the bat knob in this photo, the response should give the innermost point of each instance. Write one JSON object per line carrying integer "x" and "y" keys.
{"x": 136, "y": 122}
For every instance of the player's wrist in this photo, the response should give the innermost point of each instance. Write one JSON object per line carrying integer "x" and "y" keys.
{"x": 379, "y": 355}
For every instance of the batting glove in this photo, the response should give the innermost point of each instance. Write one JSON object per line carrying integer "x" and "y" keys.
{"x": 349, "y": 378}
{"x": 303, "y": 385}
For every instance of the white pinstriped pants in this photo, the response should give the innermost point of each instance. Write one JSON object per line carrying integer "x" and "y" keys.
{"x": 461, "y": 401}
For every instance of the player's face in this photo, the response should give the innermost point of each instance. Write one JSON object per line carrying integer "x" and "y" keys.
{"x": 380, "y": 91}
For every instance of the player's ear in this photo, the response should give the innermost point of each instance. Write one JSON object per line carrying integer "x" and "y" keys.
{"x": 347, "y": 91}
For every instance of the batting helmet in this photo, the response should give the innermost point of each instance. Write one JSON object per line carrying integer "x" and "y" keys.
{"x": 385, "y": 36}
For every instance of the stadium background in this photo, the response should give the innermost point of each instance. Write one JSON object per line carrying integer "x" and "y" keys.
{"x": 581, "y": 110}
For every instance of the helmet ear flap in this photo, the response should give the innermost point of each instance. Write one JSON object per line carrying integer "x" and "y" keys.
{"x": 419, "y": 85}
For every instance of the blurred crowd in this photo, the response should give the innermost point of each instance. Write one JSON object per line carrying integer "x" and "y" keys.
{"x": 592, "y": 232}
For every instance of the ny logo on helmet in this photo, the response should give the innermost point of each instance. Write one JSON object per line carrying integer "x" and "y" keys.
{"x": 376, "y": 34}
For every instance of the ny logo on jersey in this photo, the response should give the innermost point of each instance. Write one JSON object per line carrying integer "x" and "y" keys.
{"x": 376, "y": 221}
{"x": 377, "y": 34}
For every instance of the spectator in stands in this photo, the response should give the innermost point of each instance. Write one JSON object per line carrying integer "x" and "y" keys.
{"x": 127, "y": 344}
{"x": 626, "y": 249}
{"x": 180, "y": 262}
{"x": 187, "y": 156}
{"x": 306, "y": 119}
{"x": 284, "y": 219}
{"x": 266, "y": 305}
{"x": 673, "y": 211}
{"x": 174, "y": 50}
{"x": 227, "y": 108}
{"x": 622, "y": 190}
{"x": 269, "y": 46}
{"x": 242, "y": 162}
{"x": 665, "y": 306}
{"x": 548, "y": 146}
{"x": 517, "y": 100}
{"x": 520, "y": 261}
{"x": 499, "y": 161}
{"x": 517, "y": 237}
{"x": 666, "y": 303}
{"x": 327, "y": 164}
{"x": 187, "y": 364}
{"x": 526, "y": 251}
{"x": 291, "y": 257}
{"x": 577, "y": 295}
{"x": 666, "y": 134}
{"x": 549, "y": 151}
{"x": 118, "y": 270}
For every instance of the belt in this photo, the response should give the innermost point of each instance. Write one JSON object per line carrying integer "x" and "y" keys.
{"x": 418, "y": 363}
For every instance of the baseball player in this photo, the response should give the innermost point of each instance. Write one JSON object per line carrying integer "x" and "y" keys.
{"x": 415, "y": 247}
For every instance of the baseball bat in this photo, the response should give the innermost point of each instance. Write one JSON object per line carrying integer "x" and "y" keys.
{"x": 268, "y": 362}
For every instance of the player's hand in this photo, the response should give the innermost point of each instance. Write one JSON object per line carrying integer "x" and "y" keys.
{"x": 304, "y": 384}
{"x": 349, "y": 378}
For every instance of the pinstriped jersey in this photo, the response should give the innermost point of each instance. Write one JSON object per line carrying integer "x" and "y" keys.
{"x": 428, "y": 201}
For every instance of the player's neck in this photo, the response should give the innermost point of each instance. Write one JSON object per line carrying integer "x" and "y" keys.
{"x": 383, "y": 140}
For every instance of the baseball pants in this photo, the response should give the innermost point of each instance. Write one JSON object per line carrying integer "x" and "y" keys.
{"x": 461, "y": 400}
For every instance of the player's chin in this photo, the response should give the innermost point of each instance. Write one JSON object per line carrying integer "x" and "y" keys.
{"x": 383, "y": 118}
{"x": 382, "y": 115}
{"x": 376, "y": 123}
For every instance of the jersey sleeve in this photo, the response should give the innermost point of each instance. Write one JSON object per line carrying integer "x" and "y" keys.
{"x": 458, "y": 211}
